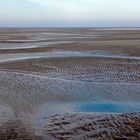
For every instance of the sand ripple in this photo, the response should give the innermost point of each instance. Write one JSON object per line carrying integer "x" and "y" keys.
{"x": 88, "y": 69}
{"x": 98, "y": 127}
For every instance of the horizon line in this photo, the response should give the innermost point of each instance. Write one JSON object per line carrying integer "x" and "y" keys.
{"x": 69, "y": 27}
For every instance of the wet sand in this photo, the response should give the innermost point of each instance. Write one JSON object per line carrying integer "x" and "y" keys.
{"x": 94, "y": 127}
{"x": 88, "y": 78}
{"x": 90, "y": 69}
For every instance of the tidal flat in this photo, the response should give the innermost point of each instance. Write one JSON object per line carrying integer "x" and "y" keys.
{"x": 69, "y": 83}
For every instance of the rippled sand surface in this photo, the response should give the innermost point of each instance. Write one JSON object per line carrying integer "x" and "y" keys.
{"x": 79, "y": 83}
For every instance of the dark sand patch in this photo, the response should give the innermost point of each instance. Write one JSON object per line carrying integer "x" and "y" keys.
{"x": 15, "y": 130}
{"x": 98, "y": 127}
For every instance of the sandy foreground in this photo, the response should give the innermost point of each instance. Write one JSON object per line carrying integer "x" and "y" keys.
{"x": 69, "y": 84}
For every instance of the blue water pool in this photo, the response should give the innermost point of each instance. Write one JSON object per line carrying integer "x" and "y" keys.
{"x": 106, "y": 107}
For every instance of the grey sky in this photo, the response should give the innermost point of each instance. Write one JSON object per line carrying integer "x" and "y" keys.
{"x": 70, "y": 13}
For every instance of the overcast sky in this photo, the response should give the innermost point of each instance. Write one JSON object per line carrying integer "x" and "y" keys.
{"x": 51, "y": 13}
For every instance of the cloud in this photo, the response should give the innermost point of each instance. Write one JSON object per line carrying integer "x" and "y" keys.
{"x": 67, "y": 10}
{"x": 64, "y": 3}
{"x": 52, "y": 3}
{"x": 62, "y": 10}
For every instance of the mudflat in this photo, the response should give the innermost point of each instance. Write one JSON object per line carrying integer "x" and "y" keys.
{"x": 70, "y": 83}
